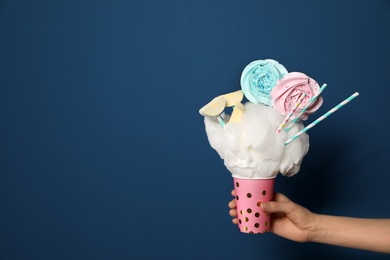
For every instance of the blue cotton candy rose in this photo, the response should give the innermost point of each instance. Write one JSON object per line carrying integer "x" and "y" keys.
{"x": 259, "y": 78}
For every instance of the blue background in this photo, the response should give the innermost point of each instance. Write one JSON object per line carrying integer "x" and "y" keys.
{"x": 103, "y": 154}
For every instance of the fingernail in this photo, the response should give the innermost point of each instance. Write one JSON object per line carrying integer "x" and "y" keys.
{"x": 264, "y": 205}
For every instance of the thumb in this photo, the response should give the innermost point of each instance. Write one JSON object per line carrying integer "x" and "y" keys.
{"x": 277, "y": 207}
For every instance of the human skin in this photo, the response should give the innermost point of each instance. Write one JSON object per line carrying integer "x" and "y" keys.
{"x": 294, "y": 222}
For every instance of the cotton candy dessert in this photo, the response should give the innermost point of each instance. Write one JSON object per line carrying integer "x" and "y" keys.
{"x": 264, "y": 136}
{"x": 251, "y": 148}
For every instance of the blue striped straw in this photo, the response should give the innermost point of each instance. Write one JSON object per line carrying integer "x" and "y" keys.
{"x": 321, "y": 118}
{"x": 221, "y": 121}
{"x": 306, "y": 107}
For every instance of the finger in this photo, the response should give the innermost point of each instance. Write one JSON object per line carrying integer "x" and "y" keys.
{"x": 233, "y": 193}
{"x": 233, "y": 213}
{"x": 235, "y": 221}
{"x": 232, "y": 204}
{"x": 279, "y": 197}
{"x": 278, "y": 207}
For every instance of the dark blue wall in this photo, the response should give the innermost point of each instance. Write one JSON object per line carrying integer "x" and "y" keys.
{"x": 103, "y": 154}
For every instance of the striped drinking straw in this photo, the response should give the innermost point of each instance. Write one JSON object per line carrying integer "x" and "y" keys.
{"x": 311, "y": 101}
{"x": 301, "y": 97}
{"x": 221, "y": 121}
{"x": 321, "y": 118}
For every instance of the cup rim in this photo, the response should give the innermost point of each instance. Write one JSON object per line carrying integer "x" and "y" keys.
{"x": 245, "y": 178}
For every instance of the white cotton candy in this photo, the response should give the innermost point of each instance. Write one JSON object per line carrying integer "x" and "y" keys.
{"x": 251, "y": 148}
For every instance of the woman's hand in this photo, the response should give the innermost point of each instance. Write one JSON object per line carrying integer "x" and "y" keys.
{"x": 289, "y": 220}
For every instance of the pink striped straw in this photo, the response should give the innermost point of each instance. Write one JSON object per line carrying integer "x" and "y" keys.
{"x": 311, "y": 101}
{"x": 285, "y": 120}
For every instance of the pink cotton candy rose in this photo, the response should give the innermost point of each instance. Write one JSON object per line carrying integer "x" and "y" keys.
{"x": 286, "y": 93}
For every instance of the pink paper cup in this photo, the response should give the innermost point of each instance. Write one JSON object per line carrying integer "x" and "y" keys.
{"x": 249, "y": 195}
